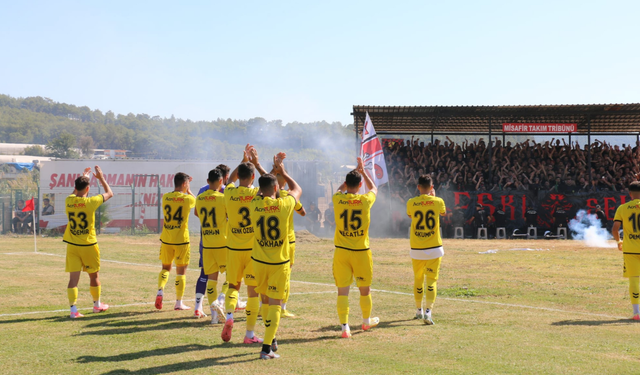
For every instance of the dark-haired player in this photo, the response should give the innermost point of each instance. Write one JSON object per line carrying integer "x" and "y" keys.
{"x": 628, "y": 217}
{"x": 83, "y": 253}
{"x": 272, "y": 216}
{"x": 352, "y": 256}
{"x": 174, "y": 239}
{"x": 240, "y": 233}
{"x": 212, "y": 212}
{"x": 426, "y": 245}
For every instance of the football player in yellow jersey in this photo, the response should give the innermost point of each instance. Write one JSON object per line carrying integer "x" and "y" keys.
{"x": 212, "y": 212}
{"x": 426, "y": 244}
{"x": 292, "y": 241}
{"x": 628, "y": 217}
{"x": 174, "y": 239}
{"x": 80, "y": 235}
{"x": 352, "y": 256}
{"x": 240, "y": 233}
{"x": 271, "y": 215}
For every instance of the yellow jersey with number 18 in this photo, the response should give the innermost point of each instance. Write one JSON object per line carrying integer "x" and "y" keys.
{"x": 238, "y": 202}
{"x": 425, "y": 212}
{"x": 271, "y": 225}
{"x": 352, "y": 214}
{"x": 81, "y": 229}
{"x": 629, "y": 215}
{"x": 212, "y": 213}
{"x": 176, "y": 207}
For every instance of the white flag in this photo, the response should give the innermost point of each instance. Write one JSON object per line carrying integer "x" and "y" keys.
{"x": 372, "y": 154}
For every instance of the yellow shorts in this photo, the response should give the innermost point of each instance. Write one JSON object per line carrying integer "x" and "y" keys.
{"x": 239, "y": 266}
{"x": 82, "y": 258}
{"x": 181, "y": 253}
{"x": 272, "y": 280}
{"x": 348, "y": 264}
{"x": 430, "y": 267}
{"x": 631, "y": 265}
{"x": 292, "y": 251}
{"x": 214, "y": 260}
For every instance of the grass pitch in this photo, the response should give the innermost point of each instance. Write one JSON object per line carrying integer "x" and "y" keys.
{"x": 562, "y": 310}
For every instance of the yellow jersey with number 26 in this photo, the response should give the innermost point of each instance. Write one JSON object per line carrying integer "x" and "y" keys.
{"x": 352, "y": 214}
{"x": 425, "y": 211}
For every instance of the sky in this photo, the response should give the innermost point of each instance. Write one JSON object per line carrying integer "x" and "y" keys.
{"x": 312, "y": 61}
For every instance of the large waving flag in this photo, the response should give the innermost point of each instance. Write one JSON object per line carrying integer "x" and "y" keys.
{"x": 372, "y": 154}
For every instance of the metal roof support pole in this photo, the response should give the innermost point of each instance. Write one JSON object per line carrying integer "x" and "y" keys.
{"x": 355, "y": 124}
{"x": 637, "y": 138}
{"x": 589, "y": 149}
{"x": 569, "y": 140}
{"x": 489, "y": 150}
{"x": 504, "y": 143}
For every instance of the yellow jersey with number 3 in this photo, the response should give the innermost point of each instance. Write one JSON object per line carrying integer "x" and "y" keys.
{"x": 270, "y": 219}
{"x": 81, "y": 229}
{"x": 238, "y": 202}
{"x": 353, "y": 215}
{"x": 629, "y": 215}
{"x": 425, "y": 212}
{"x": 298, "y": 207}
{"x": 212, "y": 213}
{"x": 176, "y": 207}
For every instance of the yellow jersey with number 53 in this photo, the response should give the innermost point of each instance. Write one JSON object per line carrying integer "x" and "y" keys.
{"x": 353, "y": 215}
{"x": 271, "y": 225}
{"x": 629, "y": 215}
{"x": 240, "y": 230}
{"x": 176, "y": 207}
{"x": 425, "y": 211}
{"x": 81, "y": 229}
{"x": 212, "y": 213}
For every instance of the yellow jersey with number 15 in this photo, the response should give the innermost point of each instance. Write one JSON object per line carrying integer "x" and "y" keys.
{"x": 81, "y": 229}
{"x": 212, "y": 213}
{"x": 425, "y": 212}
{"x": 629, "y": 215}
{"x": 352, "y": 214}
{"x": 271, "y": 225}
{"x": 238, "y": 202}
{"x": 177, "y": 208}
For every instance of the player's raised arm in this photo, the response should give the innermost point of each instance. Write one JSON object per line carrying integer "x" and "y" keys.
{"x": 367, "y": 180}
{"x": 234, "y": 175}
{"x": 253, "y": 158}
{"x": 294, "y": 189}
{"x": 108, "y": 194}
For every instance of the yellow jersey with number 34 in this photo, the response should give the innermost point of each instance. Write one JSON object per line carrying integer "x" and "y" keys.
{"x": 81, "y": 229}
{"x": 212, "y": 213}
{"x": 177, "y": 208}
{"x": 353, "y": 215}
{"x": 629, "y": 215}
{"x": 425, "y": 212}
{"x": 238, "y": 202}
{"x": 271, "y": 225}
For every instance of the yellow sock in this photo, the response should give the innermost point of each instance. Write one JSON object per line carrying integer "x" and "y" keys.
{"x": 634, "y": 290}
{"x": 264, "y": 311}
{"x": 366, "y": 304}
{"x": 181, "y": 284}
{"x": 72, "y": 293}
{"x": 418, "y": 291}
{"x": 271, "y": 324}
{"x": 253, "y": 306}
{"x": 225, "y": 288}
{"x": 231, "y": 300}
{"x": 95, "y": 292}
{"x": 163, "y": 278}
{"x": 212, "y": 286}
{"x": 432, "y": 291}
{"x": 343, "y": 309}
{"x": 286, "y": 295}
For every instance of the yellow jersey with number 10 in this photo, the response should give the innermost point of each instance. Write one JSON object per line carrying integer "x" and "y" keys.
{"x": 629, "y": 215}
{"x": 425, "y": 212}
{"x": 177, "y": 208}
{"x": 238, "y": 202}
{"x": 352, "y": 213}
{"x": 271, "y": 225}
{"x": 212, "y": 213}
{"x": 81, "y": 229}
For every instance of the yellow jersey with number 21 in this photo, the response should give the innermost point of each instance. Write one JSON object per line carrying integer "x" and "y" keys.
{"x": 212, "y": 213}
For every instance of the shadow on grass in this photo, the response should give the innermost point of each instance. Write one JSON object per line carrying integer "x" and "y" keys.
{"x": 133, "y": 323}
{"x": 144, "y": 354}
{"x": 190, "y": 365}
{"x": 173, "y": 324}
{"x": 89, "y": 317}
{"x": 593, "y": 322}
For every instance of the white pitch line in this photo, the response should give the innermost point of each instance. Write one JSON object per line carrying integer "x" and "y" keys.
{"x": 375, "y": 290}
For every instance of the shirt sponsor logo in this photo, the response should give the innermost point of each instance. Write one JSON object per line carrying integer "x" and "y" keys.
{"x": 351, "y": 202}
{"x": 242, "y": 199}
{"x": 77, "y": 205}
{"x": 174, "y": 199}
{"x": 207, "y": 198}
{"x": 423, "y": 203}
{"x": 269, "y": 209}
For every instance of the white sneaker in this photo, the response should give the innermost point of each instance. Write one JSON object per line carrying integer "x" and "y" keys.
{"x": 427, "y": 318}
{"x": 419, "y": 314}
{"x": 217, "y": 313}
{"x": 242, "y": 305}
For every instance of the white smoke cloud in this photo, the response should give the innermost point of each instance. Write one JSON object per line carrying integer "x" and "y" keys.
{"x": 586, "y": 227}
